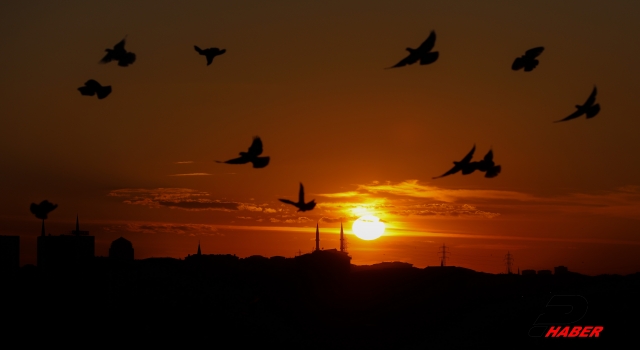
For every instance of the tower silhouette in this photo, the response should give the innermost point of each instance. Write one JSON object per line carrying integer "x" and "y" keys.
{"x": 199, "y": 251}
{"x": 343, "y": 240}
{"x": 508, "y": 259}
{"x": 444, "y": 256}
{"x": 317, "y": 238}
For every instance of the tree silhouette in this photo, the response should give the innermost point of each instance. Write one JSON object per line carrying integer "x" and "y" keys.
{"x": 42, "y": 210}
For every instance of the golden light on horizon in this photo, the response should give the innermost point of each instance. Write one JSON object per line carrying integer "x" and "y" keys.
{"x": 368, "y": 227}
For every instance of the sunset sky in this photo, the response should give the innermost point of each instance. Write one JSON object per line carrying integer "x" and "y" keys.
{"x": 308, "y": 77}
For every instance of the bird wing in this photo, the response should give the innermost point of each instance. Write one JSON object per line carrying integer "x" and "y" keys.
{"x": 301, "y": 194}
{"x": 209, "y": 59}
{"x": 493, "y": 171}
{"x": 256, "y": 147}
{"x": 428, "y": 44}
{"x": 574, "y": 115}
{"x": 199, "y": 50}
{"x": 239, "y": 160}
{"x": 119, "y": 46}
{"x": 260, "y": 162}
{"x": 469, "y": 155}
{"x": 429, "y": 57}
{"x": 411, "y": 59}
{"x": 593, "y": 110}
{"x": 92, "y": 84}
{"x": 457, "y": 167}
{"x": 518, "y": 63}
{"x": 533, "y": 53}
{"x": 489, "y": 157}
{"x": 86, "y": 91}
{"x": 451, "y": 171}
{"x": 103, "y": 91}
{"x": 107, "y": 58}
{"x": 287, "y": 201}
{"x": 592, "y": 97}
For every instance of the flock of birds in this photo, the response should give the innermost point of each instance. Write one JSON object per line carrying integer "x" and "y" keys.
{"x": 422, "y": 54}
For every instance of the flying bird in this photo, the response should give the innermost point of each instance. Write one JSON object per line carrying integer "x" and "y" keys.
{"x": 422, "y": 53}
{"x": 465, "y": 165}
{"x": 210, "y": 53}
{"x": 251, "y": 156}
{"x": 301, "y": 205}
{"x": 43, "y": 209}
{"x": 92, "y": 87}
{"x": 118, "y": 53}
{"x": 487, "y": 166}
{"x": 588, "y": 108}
{"x": 527, "y": 61}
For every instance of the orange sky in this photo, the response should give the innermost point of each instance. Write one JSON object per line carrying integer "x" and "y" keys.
{"x": 308, "y": 78}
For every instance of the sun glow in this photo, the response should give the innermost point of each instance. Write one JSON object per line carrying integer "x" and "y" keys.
{"x": 368, "y": 227}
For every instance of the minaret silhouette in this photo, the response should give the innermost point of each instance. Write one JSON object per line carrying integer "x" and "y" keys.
{"x": 42, "y": 228}
{"x": 317, "y": 238}
{"x": 199, "y": 252}
{"x": 341, "y": 238}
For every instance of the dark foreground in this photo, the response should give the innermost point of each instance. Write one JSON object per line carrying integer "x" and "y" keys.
{"x": 157, "y": 301}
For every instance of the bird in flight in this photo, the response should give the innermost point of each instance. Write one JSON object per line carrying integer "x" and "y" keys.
{"x": 251, "y": 155}
{"x": 92, "y": 87}
{"x": 588, "y": 108}
{"x": 118, "y": 53}
{"x": 487, "y": 166}
{"x": 465, "y": 165}
{"x": 210, "y": 53}
{"x": 422, "y": 53}
{"x": 527, "y": 61}
{"x": 43, "y": 209}
{"x": 301, "y": 205}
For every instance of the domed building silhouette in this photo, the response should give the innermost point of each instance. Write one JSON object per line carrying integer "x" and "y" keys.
{"x": 121, "y": 249}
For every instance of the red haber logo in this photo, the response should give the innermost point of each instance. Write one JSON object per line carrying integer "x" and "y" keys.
{"x": 561, "y": 311}
{"x": 575, "y": 331}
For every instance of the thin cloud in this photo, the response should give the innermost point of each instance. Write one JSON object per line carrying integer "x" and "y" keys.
{"x": 164, "y": 228}
{"x": 192, "y": 174}
{"x": 180, "y": 198}
{"x": 184, "y": 162}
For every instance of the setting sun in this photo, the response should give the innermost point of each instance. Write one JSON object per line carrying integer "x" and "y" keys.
{"x": 368, "y": 227}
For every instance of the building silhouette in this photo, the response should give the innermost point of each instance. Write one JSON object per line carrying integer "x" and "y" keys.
{"x": 121, "y": 249}
{"x": 560, "y": 270}
{"x": 326, "y": 262}
{"x": 76, "y": 249}
{"x": 9, "y": 253}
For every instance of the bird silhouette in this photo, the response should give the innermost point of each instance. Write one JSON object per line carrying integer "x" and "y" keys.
{"x": 588, "y": 108}
{"x": 43, "y": 209}
{"x": 422, "y": 53}
{"x": 118, "y": 53}
{"x": 487, "y": 166}
{"x": 527, "y": 61}
{"x": 465, "y": 165}
{"x": 92, "y": 87}
{"x": 210, "y": 53}
{"x": 251, "y": 156}
{"x": 301, "y": 205}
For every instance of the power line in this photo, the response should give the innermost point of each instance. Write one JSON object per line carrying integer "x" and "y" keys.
{"x": 443, "y": 252}
{"x": 509, "y": 261}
